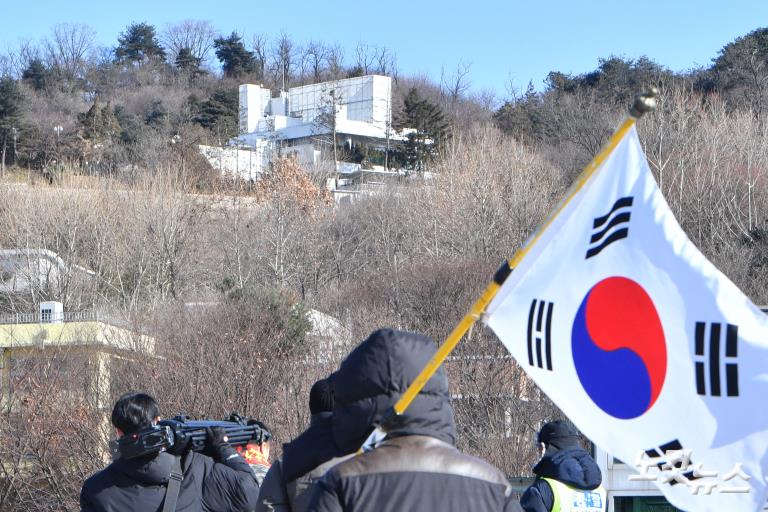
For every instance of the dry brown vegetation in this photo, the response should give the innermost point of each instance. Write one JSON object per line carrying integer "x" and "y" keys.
{"x": 412, "y": 257}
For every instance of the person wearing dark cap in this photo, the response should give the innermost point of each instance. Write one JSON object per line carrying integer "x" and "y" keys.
{"x": 289, "y": 482}
{"x": 416, "y": 467}
{"x": 567, "y": 477}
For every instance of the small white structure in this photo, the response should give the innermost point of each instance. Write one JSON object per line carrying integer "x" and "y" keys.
{"x": 51, "y": 312}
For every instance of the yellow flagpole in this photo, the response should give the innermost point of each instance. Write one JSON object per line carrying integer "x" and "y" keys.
{"x": 644, "y": 102}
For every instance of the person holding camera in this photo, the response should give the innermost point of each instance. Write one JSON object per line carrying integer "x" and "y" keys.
{"x": 218, "y": 479}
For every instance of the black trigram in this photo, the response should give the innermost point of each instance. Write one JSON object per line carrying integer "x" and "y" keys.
{"x": 678, "y": 459}
{"x": 540, "y": 333}
{"x": 709, "y": 365}
{"x": 661, "y": 451}
{"x": 610, "y": 227}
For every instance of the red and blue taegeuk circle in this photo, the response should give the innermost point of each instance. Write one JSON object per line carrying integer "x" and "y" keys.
{"x": 619, "y": 348}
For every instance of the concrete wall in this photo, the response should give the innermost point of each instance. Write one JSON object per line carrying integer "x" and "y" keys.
{"x": 306, "y": 154}
{"x": 73, "y": 334}
{"x": 245, "y": 163}
{"x": 254, "y": 103}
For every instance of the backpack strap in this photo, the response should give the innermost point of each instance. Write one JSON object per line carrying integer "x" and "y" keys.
{"x": 174, "y": 486}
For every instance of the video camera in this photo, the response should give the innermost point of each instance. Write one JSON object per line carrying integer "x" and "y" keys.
{"x": 186, "y": 431}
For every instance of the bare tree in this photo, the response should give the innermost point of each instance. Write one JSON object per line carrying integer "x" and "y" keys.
{"x": 259, "y": 48}
{"x": 67, "y": 48}
{"x": 195, "y": 35}
{"x": 302, "y": 66}
{"x": 315, "y": 55}
{"x": 455, "y": 86}
{"x": 334, "y": 59}
{"x": 372, "y": 59}
{"x": 364, "y": 58}
{"x": 15, "y": 61}
{"x": 282, "y": 63}
{"x": 386, "y": 62}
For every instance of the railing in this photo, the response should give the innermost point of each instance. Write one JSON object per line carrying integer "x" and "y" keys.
{"x": 85, "y": 316}
{"x": 37, "y": 318}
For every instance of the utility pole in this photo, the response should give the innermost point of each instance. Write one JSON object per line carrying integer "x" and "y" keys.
{"x": 333, "y": 127}
{"x": 388, "y": 126}
{"x": 15, "y": 133}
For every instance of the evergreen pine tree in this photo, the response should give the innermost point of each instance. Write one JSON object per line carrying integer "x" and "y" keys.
{"x": 139, "y": 44}
{"x": 36, "y": 74}
{"x": 522, "y": 117}
{"x": 99, "y": 124}
{"x": 235, "y": 59}
{"x": 429, "y": 129}
{"x": 740, "y": 72}
{"x": 219, "y": 113}
{"x": 187, "y": 62}
{"x": 10, "y": 116}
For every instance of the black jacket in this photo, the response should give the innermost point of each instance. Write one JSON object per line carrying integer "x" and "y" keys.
{"x": 310, "y": 449}
{"x": 139, "y": 484}
{"x": 277, "y": 495}
{"x": 290, "y": 481}
{"x": 417, "y": 467}
{"x": 572, "y": 466}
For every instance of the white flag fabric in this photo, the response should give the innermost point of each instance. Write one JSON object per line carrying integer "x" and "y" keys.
{"x": 652, "y": 352}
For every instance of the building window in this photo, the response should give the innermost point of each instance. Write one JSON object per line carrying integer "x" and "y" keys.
{"x": 642, "y": 504}
{"x": 46, "y": 316}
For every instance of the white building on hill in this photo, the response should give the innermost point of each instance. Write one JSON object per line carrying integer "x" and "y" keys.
{"x": 300, "y": 121}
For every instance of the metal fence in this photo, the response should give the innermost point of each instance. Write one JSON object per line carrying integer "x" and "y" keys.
{"x": 41, "y": 318}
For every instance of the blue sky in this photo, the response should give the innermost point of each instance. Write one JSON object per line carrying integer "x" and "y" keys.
{"x": 502, "y": 41}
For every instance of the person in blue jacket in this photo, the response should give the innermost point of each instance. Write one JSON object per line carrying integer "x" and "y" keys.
{"x": 567, "y": 477}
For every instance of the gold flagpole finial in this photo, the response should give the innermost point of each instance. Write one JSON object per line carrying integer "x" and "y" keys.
{"x": 644, "y": 102}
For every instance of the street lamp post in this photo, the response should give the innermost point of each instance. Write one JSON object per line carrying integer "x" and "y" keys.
{"x": 176, "y": 141}
{"x": 57, "y": 130}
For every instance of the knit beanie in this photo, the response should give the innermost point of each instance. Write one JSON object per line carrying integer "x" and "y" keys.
{"x": 559, "y": 434}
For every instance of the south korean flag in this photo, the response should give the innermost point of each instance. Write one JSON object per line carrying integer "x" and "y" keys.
{"x": 640, "y": 340}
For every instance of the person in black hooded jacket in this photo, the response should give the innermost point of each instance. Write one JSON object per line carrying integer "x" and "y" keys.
{"x": 222, "y": 482}
{"x": 290, "y": 481}
{"x": 565, "y": 474}
{"x": 416, "y": 467}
